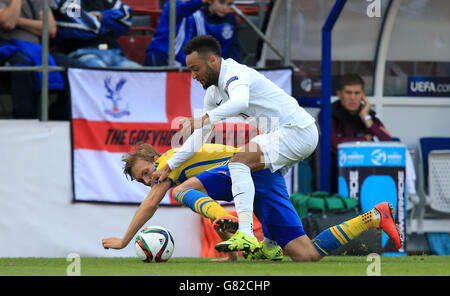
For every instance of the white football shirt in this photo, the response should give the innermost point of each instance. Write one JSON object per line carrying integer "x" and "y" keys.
{"x": 245, "y": 93}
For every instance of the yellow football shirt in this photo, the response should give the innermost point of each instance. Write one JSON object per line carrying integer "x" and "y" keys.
{"x": 209, "y": 156}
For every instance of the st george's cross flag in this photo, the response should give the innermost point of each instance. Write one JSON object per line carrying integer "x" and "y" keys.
{"x": 113, "y": 111}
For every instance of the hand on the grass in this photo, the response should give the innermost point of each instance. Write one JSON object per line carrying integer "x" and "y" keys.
{"x": 113, "y": 243}
{"x": 232, "y": 256}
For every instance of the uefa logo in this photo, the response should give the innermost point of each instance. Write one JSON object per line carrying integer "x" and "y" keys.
{"x": 378, "y": 157}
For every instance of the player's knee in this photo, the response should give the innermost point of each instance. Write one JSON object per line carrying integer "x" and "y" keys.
{"x": 237, "y": 158}
{"x": 306, "y": 257}
{"x": 253, "y": 161}
{"x": 249, "y": 155}
{"x": 315, "y": 257}
{"x": 302, "y": 252}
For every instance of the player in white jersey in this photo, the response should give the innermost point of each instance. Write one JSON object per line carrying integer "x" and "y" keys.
{"x": 289, "y": 133}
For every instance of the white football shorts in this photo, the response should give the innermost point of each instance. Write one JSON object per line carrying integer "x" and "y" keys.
{"x": 287, "y": 145}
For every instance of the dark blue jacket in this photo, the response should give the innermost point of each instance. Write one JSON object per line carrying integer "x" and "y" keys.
{"x": 184, "y": 29}
{"x": 225, "y": 31}
{"x": 192, "y": 19}
{"x": 33, "y": 52}
{"x": 79, "y": 28}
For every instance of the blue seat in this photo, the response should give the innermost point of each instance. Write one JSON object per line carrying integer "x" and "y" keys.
{"x": 426, "y": 146}
{"x": 434, "y": 184}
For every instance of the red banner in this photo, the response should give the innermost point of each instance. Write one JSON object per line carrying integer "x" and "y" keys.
{"x": 113, "y": 111}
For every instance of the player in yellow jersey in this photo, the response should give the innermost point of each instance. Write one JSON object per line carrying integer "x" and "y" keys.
{"x": 206, "y": 173}
{"x": 210, "y": 155}
{"x": 140, "y": 165}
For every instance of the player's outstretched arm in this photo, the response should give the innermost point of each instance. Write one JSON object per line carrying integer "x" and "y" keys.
{"x": 145, "y": 211}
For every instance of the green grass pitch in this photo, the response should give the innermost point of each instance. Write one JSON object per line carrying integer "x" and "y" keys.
{"x": 329, "y": 266}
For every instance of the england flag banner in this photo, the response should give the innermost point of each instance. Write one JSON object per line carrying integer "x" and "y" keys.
{"x": 113, "y": 111}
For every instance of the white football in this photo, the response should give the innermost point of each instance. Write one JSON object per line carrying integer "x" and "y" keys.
{"x": 154, "y": 244}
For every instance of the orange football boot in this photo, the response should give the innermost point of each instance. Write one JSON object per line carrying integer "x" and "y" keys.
{"x": 387, "y": 223}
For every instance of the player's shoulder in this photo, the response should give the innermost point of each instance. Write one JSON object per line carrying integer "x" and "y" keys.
{"x": 232, "y": 68}
{"x": 235, "y": 72}
{"x": 210, "y": 91}
{"x": 164, "y": 157}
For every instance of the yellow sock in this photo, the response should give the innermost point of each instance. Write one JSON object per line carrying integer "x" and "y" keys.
{"x": 339, "y": 235}
{"x": 209, "y": 208}
{"x": 363, "y": 222}
{"x": 202, "y": 204}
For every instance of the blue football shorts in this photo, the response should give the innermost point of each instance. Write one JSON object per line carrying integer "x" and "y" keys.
{"x": 272, "y": 207}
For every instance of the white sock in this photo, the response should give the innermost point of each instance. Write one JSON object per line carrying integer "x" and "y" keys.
{"x": 246, "y": 223}
{"x": 243, "y": 191}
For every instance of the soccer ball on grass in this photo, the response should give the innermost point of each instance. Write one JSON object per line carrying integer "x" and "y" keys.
{"x": 154, "y": 244}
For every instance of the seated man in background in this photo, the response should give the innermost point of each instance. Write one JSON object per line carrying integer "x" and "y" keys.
{"x": 89, "y": 33}
{"x": 20, "y": 31}
{"x": 193, "y": 18}
{"x": 352, "y": 119}
{"x": 206, "y": 175}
